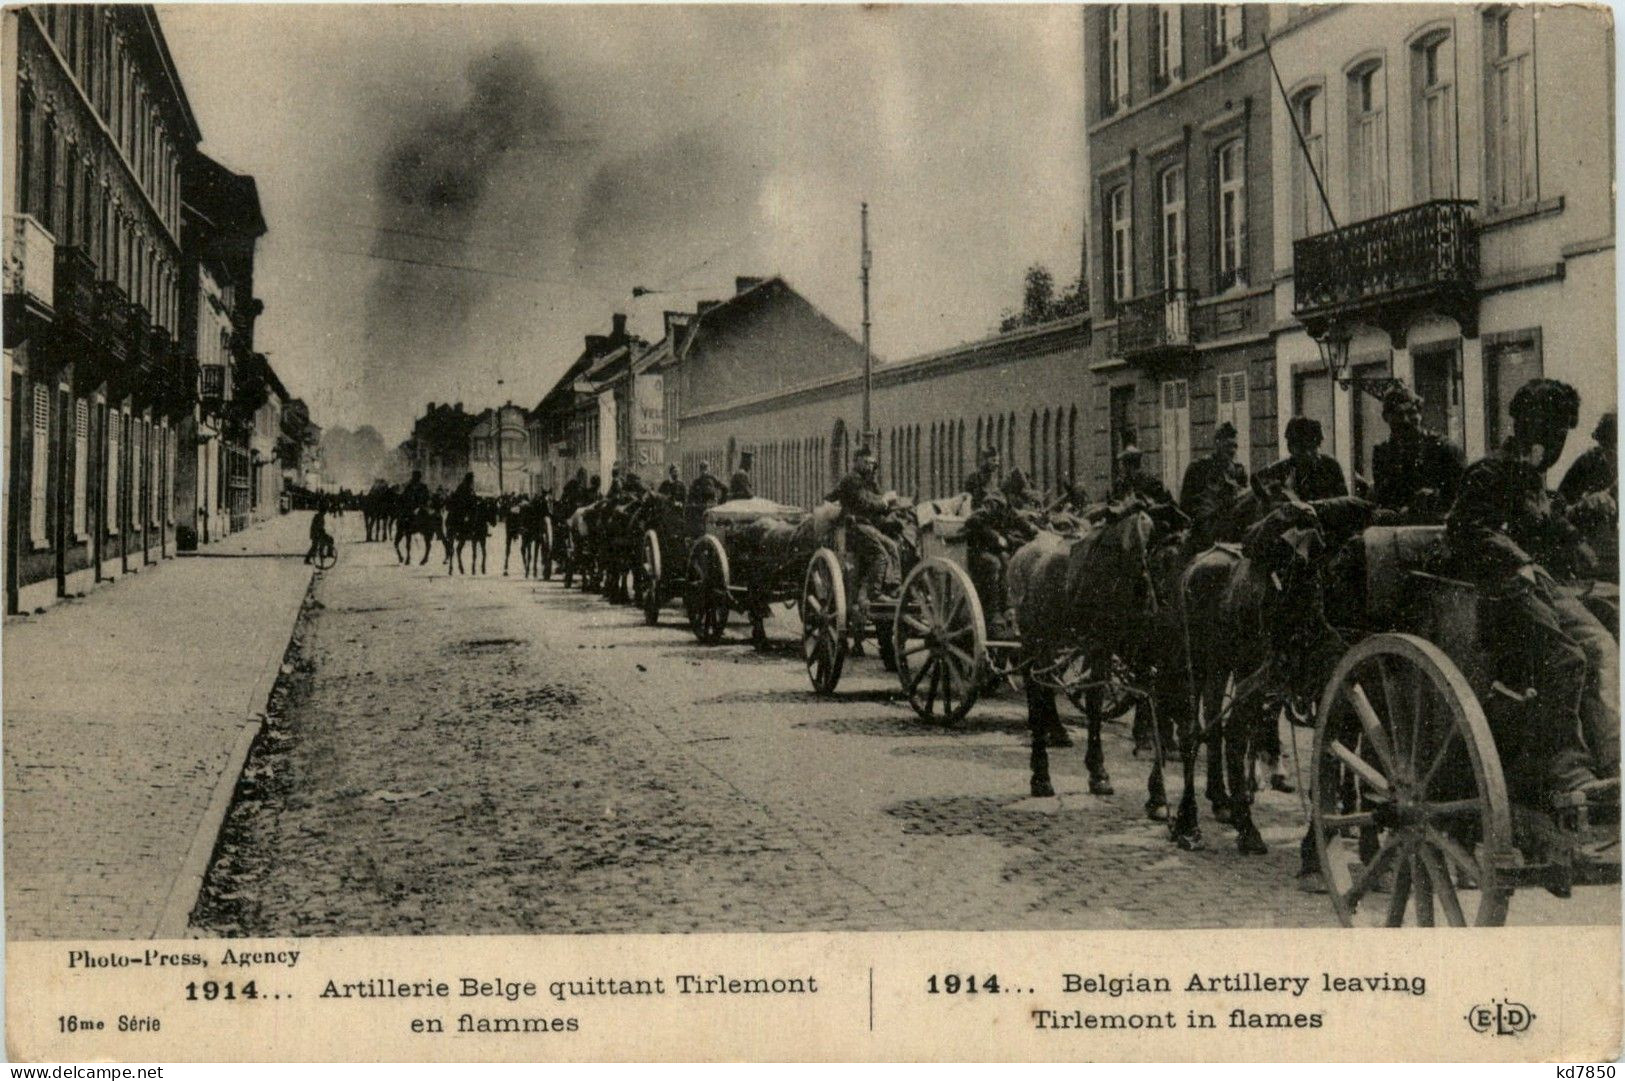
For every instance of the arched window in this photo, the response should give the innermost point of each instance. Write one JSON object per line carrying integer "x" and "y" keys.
{"x": 1433, "y": 117}
{"x": 959, "y": 455}
{"x": 1308, "y": 162}
{"x": 914, "y": 489}
{"x": 1045, "y": 459}
{"x": 1010, "y": 437}
{"x": 1368, "y": 141}
{"x": 978, "y": 437}
{"x": 1231, "y": 173}
{"x": 1032, "y": 447}
{"x": 1072, "y": 444}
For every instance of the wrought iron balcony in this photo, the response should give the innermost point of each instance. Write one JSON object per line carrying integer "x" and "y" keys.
{"x": 115, "y": 319}
{"x": 1155, "y": 324}
{"x": 30, "y": 265}
{"x": 213, "y": 383}
{"x": 78, "y": 301}
{"x": 1425, "y": 254}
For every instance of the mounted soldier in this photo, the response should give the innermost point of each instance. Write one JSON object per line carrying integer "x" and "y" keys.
{"x": 739, "y": 485}
{"x": 865, "y": 512}
{"x": 1415, "y": 473}
{"x": 986, "y": 477}
{"x": 415, "y": 494}
{"x": 992, "y": 532}
{"x": 1305, "y": 472}
{"x": 1504, "y": 531}
{"x": 1132, "y": 480}
{"x": 1213, "y": 482}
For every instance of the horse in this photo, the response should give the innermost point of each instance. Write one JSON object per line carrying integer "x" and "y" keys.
{"x": 584, "y": 542}
{"x": 425, "y": 522}
{"x": 377, "y": 507}
{"x": 536, "y": 537}
{"x": 1098, "y": 597}
{"x": 511, "y": 510}
{"x": 1254, "y": 619}
{"x": 473, "y": 527}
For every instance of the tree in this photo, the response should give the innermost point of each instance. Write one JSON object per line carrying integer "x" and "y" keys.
{"x": 1039, "y": 304}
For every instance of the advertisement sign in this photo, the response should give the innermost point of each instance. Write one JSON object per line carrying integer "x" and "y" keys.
{"x": 649, "y": 407}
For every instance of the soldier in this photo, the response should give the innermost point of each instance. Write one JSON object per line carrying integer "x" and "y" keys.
{"x": 1133, "y": 481}
{"x": 1212, "y": 483}
{"x": 1018, "y": 492}
{"x": 706, "y": 490}
{"x": 1071, "y": 498}
{"x": 1597, "y": 470}
{"x": 986, "y": 477}
{"x": 992, "y": 532}
{"x": 865, "y": 510}
{"x": 1591, "y": 490}
{"x": 416, "y": 493}
{"x": 739, "y": 485}
{"x": 672, "y": 487}
{"x": 1415, "y": 472}
{"x": 1305, "y": 472}
{"x": 1502, "y": 529}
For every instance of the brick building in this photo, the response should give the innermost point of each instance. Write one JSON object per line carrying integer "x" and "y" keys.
{"x": 97, "y": 125}
{"x": 1178, "y": 118}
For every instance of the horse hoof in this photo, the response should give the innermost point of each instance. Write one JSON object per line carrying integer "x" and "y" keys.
{"x": 1042, "y": 788}
{"x": 1099, "y": 786}
{"x": 1189, "y": 840}
{"x": 1311, "y": 882}
{"x": 1156, "y": 812}
{"x": 1250, "y": 843}
{"x": 1059, "y": 738}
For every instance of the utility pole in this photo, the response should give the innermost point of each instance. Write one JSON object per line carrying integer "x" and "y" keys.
{"x": 500, "y": 489}
{"x": 868, "y": 359}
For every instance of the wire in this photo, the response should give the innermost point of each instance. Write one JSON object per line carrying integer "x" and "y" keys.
{"x": 466, "y": 269}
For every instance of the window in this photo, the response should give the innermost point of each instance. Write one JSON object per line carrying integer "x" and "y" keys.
{"x": 1433, "y": 118}
{"x": 1226, "y": 29}
{"x": 1308, "y": 163}
{"x": 39, "y": 468}
{"x": 1176, "y": 432}
{"x": 81, "y": 454}
{"x": 1437, "y": 371}
{"x": 1510, "y": 361}
{"x": 47, "y": 202}
{"x": 1169, "y": 48}
{"x": 70, "y": 193}
{"x": 1509, "y": 107}
{"x": 1368, "y": 143}
{"x": 1119, "y": 250}
{"x": 1171, "y": 228}
{"x": 25, "y": 149}
{"x": 1232, "y": 407}
{"x": 1232, "y": 217}
{"x": 1116, "y": 56}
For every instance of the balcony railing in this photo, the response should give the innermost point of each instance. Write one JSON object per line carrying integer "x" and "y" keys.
{"x": 78, "y": 302}
{"x": 212, "y": 382}
{"x": 1154, "y": 322}
{"x": 115, "y": 318}
{"x": 1421, "y": 249}
{"x": 30, "y": 263}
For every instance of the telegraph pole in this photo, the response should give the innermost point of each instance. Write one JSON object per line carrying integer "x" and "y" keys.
{"x": 500, "y": 489}
{"x": 868, "y": 359}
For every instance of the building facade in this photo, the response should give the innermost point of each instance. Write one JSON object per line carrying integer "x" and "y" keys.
{"x": 1178, "y": 113}
{"x": 1444, "y": 205}
{"x": 499, "y": 451}
{"x": 440, "y": 444}
{"x": 97, "y": 126}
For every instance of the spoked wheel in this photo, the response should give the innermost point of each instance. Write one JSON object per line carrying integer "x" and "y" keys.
{"x": 327, "y": 556}
{"x": 1407, "y": 793}
{"x": 707, "y": 599}
{"x": 1077, "y": 676}
{"x": 823, "y": 621}
{"x": 940, "y": 640}
{"x": 651, "y": 578}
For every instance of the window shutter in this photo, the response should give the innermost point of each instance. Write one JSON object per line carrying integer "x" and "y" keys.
{"x": 39, "y": 466}
{"x": 81, "y": 465}
{"x": 115, "y": 451}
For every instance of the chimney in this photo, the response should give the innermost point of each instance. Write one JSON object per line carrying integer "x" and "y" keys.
{"x": 596, "y": 344}
{"x": 619, "y": 322}
{"x": 458, "y": 408}
{"x": 430, "y": 410}
{"x": 743, "y": 284}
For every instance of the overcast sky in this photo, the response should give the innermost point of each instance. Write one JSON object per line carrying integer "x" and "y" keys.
{"x": 573, "y": 153}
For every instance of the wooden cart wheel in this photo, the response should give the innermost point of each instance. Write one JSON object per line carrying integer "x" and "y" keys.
{"x": 1407, "y": 790}
{"x": 708, "y": 599}
{"x": 651, "y": 578}
{"x": 823, "y": 621}
{"x": 328, "y": 555}
{"x": 940, "y": 641}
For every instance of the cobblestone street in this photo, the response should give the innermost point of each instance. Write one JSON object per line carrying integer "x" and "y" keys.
{"x": 490, "y": 754}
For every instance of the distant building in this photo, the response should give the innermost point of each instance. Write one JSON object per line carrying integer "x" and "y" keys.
{"x": 499, "y": 451}
{"x": 440, "y": 444}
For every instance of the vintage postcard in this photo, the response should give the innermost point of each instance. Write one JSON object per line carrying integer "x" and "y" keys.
{"x": 755, "y": 532}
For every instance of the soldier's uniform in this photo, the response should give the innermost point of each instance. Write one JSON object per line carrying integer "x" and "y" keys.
{"x": 674, "y": 490}
{"x": 1209, "y": 484}
{"x": 706, "y": 490}
{"x": 1142, "y": 484}
{"x": 865, "y": 511}
{"x": 1314, "y": 477}
{"x": 1403, "y": 470}
{"x": 739, "y": 486}
{"x": 1502, "y": 528}
{"x": 991, "y": 533}
{"x": 414, "y": 495}
{"x": 981, "y": 482}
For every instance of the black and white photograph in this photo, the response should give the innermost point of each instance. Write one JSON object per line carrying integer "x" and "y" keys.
{"x": 555, "y": 469}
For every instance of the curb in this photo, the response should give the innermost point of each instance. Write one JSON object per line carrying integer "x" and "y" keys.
{"x": 176, "y": 915}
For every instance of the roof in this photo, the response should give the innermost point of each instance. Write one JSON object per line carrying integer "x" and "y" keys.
{"x": 230, "y": 201}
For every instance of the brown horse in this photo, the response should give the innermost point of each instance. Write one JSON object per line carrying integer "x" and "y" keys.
{"x": 1097, "y": 597}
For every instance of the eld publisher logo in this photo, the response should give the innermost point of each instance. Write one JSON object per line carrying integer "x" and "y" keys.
{"x": 1501, "y": 1017}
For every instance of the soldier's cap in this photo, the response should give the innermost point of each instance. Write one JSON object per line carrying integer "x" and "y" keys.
{"x": 864, "y": 452}
{"x": 1225, "y": 431}
{"x": 1130, "y": 451}
{"x": 988, "y": 454}
{"x": 1545, "y": 404}
{"x": 1302, "y": 430}
{"x": 1397, "y": 396}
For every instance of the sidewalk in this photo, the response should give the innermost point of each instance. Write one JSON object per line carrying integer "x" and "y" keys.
{"x": 127, "y": 716}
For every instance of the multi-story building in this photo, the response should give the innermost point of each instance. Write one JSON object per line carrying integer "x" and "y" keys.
{"x": 265, "y": 480}
{"x": 439, "y": 445}
{"x": 568, "y": 423}
{"x": 221, "y": 226}
{"x": 97, "y": 125}
{"x": 1443, "y": 210}
{"x": 499, "y": 451}
{"x": 1180, "y": 277}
